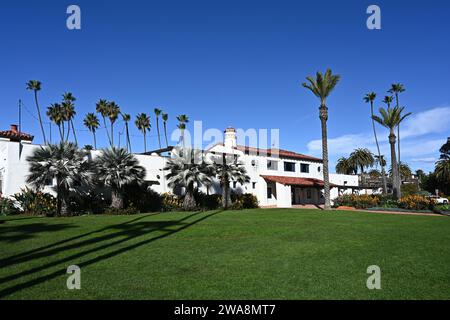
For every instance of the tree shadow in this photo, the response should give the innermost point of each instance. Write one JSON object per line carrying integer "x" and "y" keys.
{"x": 125, "y": 234}
{"x": 17, "y": 233}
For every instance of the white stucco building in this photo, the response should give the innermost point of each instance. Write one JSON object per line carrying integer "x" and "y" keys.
{"x": 278, "y": 178}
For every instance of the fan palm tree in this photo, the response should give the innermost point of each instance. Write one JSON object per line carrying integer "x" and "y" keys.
{"x": 116, "y": 168}
{"x": 396, "y": 89}
{"x": 185, "y": 169}
{"x": 344, "y": 166}
{"x": 126, "y": 118}
{"x": 113, "y": 111}
{"x": 102, "y": 108}
{"x": 91, "y": 122}
{"x": 69, "y": 110}
{"x": 227, "y": 168}
{"x": 55, "y": 114}
{"x": 370, "y": 98}
{"x": 182, "y": 120}
{"x": 157, "y": 114}
{"x": 62, "y": 162}
{"x": 165, "y": 117}
{"x": 35, "y": 86}
{"x": 390, "y": 118}
{"x": 321, "y": 86}
{"x": 143, "y": 124}
{"x": 361, "y": 158}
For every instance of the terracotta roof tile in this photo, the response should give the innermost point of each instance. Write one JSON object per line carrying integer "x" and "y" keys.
{"x": 296, "y": 181}
{"x": 281, "y": 153}
{"x": 15, "y": 135}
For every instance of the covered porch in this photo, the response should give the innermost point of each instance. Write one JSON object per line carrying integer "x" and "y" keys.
{"x": 294, "y": 191}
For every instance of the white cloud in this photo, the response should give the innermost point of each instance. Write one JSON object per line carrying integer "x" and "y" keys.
{"x": 435, "y": 120}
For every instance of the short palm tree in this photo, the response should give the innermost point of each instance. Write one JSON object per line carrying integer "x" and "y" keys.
{"x": 362, "y": 158}
{"x": 228, "y": 169}
{"x": 370, "y": 98}
{"x": 62, "y": 162}
{"x": 113, "y": 112}
{"x": 396, "y": 89}
{"x": 182, "y": 120}
{"x": 143, "y": 124}
{"x": 442, "y": 170}
{"x": 91, "y": 122}
{"x": 126, "y": 118}
{"x": 55, "y": 114}
{"x": 344, "y": 166}
{"x": 321, "y": 86}
{"x": 102, "y": 108}
{"x": 165, "y": 117}
{"x": 116, "y": 168}
{"x": 35, "y": 86}
{"x": 186, "y": 170}
{"x": 390, "y": 118}
{"x": 157, "y": 114}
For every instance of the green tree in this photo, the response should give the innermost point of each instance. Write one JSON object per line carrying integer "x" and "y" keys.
{"x": 361, "y": 158}
{"x": 187, "y": 170}
{"x": 344, "y": 166}
{"x": 116, "y": 168}
{"x": 321, "y": 86}
{"x": 55, "y": 114}
{"x": 390, "y": 118}
{"x": 370, "y": 98}
{"x": 102, "y": 108}
{"x": 182, "y": 120}
{"x": 35, "y": 86}
{"x": 126, "y": 118}
{"x": 68, "y": 110}
{"x": 91, "y": 122}
{"x": 396, "y": 89}
{"x": 143, "y": 124}
{"x": 157, "y": 114}
{"x": 62, "y": 162}
{"x": 113, "y": 111}
{"x": 165, "y": 117}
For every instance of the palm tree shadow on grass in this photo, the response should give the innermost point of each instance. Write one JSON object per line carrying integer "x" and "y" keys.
{"x": 129, "y": 233}
{"x": 10, "y": 234}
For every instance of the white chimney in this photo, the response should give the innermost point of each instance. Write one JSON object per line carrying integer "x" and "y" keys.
{"x": 230, "y": 138}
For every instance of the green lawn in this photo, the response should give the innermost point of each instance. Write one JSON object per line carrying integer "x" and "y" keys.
{"x": 253, "y": 254}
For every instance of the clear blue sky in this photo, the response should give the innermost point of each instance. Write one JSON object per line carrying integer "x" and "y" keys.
{"x": 234, "y": 63}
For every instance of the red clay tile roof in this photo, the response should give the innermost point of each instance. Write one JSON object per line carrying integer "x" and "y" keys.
{"x": 281, "y": 153}
{"x": 294, "y": 181}
{"x": 14, "y": 135}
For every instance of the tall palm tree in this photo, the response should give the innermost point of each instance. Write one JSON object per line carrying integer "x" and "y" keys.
{"x": 62, "y": 162}
{"x": 126, "y": 118}
{"x": 35, "y": 86}
{"x": 370, "y": 98}
{"x": 388, "y": 100}
{"x": 182, "y": 120}
{"x": 361, "y": 158}
{"x": 321, "y": 87}
{"x": 116, "y": 168}
{"x": 91, "y": 122}
{"x": 390, "y": 118}
{"x": 165, "y": 117}
{"x": 379, "y": 160}
{"x": 396, "y": 89}
{"x": 102, "y": 108}
{"x": 55, "y": 114}
{"x": 442, "y": 170}
{"x": 344, "y": 166}
{"x": 113, "y": 113}
{"x": 405, "y": 171}
{"x": 227, "y": 168}
{"x": 143, "y": 124}
{"x": 185, "y": 169}
{"x": 69, "y": 111}
{"x": 157, "y": 114}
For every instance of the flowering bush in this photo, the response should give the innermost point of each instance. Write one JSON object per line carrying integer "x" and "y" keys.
{"x": 244, "y": 201}
{"x": 415, "y": 202}
{"x": 363, "y": 201}
{"x": 170, "y": 202}
{"x": 35, "y": 202}
{"x": 7, "y": 207}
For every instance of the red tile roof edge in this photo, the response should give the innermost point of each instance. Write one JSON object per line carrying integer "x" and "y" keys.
{"x": 297, "y": 181}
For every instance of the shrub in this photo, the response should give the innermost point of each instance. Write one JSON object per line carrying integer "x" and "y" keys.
{"x": 124, "y": 212}
{"x": 363, "y": 201}
{"x": 409, "y": 189}
{"x": 87, "y": 203}
{"x": 208, "y": 202}
{"x": 387, "y": 201}
{"x": 35, "y": 202}
{"x": 244, "y": 201}
{"x": 7, "y": 207}
{"x": 415, "y": 202}
{"x": 142, "y": 198}
{"x": 442, "y": 207}
{"x": 170, "y": 202}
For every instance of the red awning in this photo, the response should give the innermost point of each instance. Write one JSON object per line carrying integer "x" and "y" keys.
{"x": 294, "y": 181}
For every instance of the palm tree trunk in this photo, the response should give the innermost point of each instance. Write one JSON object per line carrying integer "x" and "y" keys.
{"x": 95, "y": 140}
{"x": 165, "y": 133}
{"x": 61, "y": 134}
{"x": 189, "y": 200}
{"x": 378, "y": 149}
{"x": 106, "y": 128}
{"x": 395, "y": 184}
{"x": 39, "y": 115}
{"x": 74, "y": 133}
{"x": 128, "y": 138}
{"x": 323, "y": 115}
{"x": 157, "y": 128}
{"x": 116, "y": 200}
{"x": 112, "y": 134}
{"x": 145, "y": 142}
